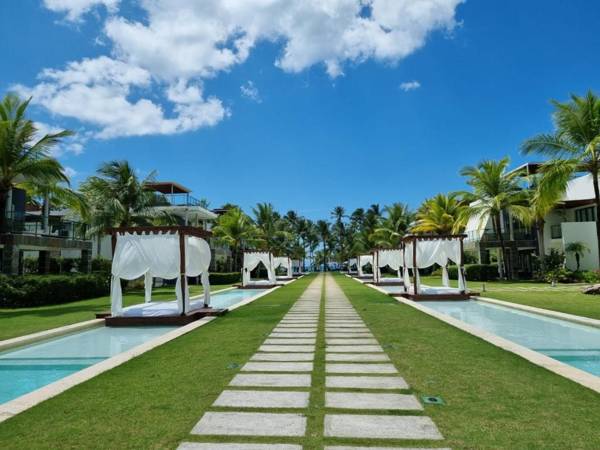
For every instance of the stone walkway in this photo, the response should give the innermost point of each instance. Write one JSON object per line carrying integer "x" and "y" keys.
{"x": 360, "y": 382}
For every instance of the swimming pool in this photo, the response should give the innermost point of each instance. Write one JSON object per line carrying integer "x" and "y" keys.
{"x": 28, "y": 368}
{"x": 571, "y": 343}
{"x": 25, "y": 369}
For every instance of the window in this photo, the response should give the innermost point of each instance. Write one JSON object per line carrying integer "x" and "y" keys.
{"x": 585, "y": 214}
{"x": 555, "y": 232}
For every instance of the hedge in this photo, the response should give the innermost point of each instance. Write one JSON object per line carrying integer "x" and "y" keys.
{"x": 225, "y": 278}
{"x": 40, "y": 290}
{"x": 473, "y": 272}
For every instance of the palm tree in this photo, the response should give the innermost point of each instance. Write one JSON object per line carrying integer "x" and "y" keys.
{"x": 23, "y": 158}
{"x": 118, "y": 198}
{"x": 339, "y": 232}
{"x": 324, "y": 234}
{"x": 495, "y": 192}
{"x": 574, "y": 147}
{"x": 442, "y": 214}
{"x": 393, "y": 227}
{"x": 266, "y": 219}
{"x": 577, "y": 248}
{"x": 236, "y": 230}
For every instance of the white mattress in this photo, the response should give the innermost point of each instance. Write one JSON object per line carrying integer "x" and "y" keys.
{"x": 155, "y": 309}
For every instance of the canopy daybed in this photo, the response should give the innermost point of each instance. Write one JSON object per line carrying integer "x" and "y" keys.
{"x": 159, "y": 252}
{"x": 286, "y": 263}
{"x": 420, "y": 252}
{"x": 352, "y": 266}
{"x": 391, "y": 258}
{"x": 297, "y": 267}
{"x": 361, "y": 262}
{"x": 251, "y": 261}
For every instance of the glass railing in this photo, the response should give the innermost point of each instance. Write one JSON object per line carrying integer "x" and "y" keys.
{"x": 34, "y": 226}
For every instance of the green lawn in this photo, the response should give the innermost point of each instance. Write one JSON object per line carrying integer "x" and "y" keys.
{"x": 564, "y": 297}
{"x": 154, "y": 400}
{"x": 494, "y": 399}
{"x": 21, "y": 321}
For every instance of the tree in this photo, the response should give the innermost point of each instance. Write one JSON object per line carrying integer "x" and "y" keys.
{"x": 324, "y": 234}
{"x": 118, "y": 198}
{"x": 236, "y": 230}
{"x": 393, "y": 227}
{"x": 577, "y": 248}
{"x": 573, "y": 147}
{"x": 23, "y": 158}
{"x": 442, "y": 214}
{"x": 495, "y": 192}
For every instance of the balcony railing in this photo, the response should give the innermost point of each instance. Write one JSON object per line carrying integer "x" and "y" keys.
{"x": 34, "y": 226}
{"x": 182, "y": 200}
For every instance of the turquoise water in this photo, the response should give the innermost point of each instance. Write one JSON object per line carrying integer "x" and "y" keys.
{"x": 28, "y": 368}
{"x": 568, "y": 342}
{"x": 232, "y": 297}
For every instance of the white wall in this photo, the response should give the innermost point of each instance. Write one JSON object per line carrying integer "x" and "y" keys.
{"x": 581, "y": 232}
{"x": 105, "y": 247}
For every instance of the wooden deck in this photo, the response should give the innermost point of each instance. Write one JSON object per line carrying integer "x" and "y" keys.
{"x": 175, "y": 320}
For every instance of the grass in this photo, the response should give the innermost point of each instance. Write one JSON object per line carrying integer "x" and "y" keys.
{"x": 20, "y": 321}
{"x": 494, "y": 399}
{"x": 566, "y": 298}
{"x": 154, "y": 400}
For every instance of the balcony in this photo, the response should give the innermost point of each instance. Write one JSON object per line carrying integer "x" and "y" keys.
{"x": 32, "y": 225}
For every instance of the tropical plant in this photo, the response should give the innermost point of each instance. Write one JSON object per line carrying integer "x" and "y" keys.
{"x": 118, "y": 198}
{"x": 393, "y": 226}
{"x": 236, "y": 230}
{"x": 573, "y": 147}
{"x": 324, "y": 234}
{"x": 495, "y": 192}
{"x": 442, "y": 214}
{"x": 23, "y": 157}
{"x": 577, "y": 248}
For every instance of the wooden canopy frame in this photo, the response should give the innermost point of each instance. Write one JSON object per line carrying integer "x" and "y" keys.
{"x": 375, "y": 253}
{"x": 414, "y": 239}
{"x": 183, "y": 231}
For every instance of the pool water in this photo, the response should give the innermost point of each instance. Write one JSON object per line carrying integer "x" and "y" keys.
{"x": 232, "y": 297}
{"x": 571, "y": 343}
{"x": 26, "y": 369}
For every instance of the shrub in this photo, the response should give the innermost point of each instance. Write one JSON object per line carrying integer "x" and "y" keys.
{"x": 473, "y": 272}
{"x": 40, "y": 290}
{"x": 225, "y": 278}
{"x": 101, "y": 265}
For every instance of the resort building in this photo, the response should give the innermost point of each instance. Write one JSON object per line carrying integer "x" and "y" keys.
{"x": 41, "y": 233}
{"x": 573, "y": 220}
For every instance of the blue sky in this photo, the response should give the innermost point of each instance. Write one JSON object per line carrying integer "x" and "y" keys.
{"x": 304, "y": 116}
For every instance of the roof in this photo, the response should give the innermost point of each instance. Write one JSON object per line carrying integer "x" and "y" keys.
{"x": 168, "y": 187}
{"x": 527, "y": 169}
{"x": 579, "y": 189}
{"x": 189, "y": 211}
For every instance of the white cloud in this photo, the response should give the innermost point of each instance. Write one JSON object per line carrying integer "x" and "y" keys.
{"x": 70, "y": 145}
{"x": 70, "y": 172}
{"x": 153, "y": 81}
{"x": 410, "y": 85}
{"x": 74, "y": 9}
{"x": 250, "y": 91}
{"x": 98, "y": 92}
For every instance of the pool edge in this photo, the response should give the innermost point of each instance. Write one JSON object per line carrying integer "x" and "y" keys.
{"x": 26, "y": 401}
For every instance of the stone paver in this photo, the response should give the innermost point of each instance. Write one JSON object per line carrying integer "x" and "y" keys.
{"x": 290, "y": 341}
{"x": 357, "y": 357}
{"x": 380, "y": 427}
{"x": 278, "y": 334}
{"x": 216, "y": 446}
{"x": 360, "y": 400}
{"x": 353, "y": 349}
{"x": 345, "y": 447}
{"x": 287, "y": 348}
{"x": 360, "y": 368}
{"x": 263, "y": 399}
{"x": 277, "y": 367}
{"x": 250, "y": 424}
{"x": 283, "y": 357}
{"x": 365, "y": 382}
{"x": 271, "y": 380}
{"x": 354, "y": 341}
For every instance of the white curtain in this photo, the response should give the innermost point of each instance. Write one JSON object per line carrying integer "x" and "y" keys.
{"x": 363, "y": 260}
{"x": 252, "y": 260}
{"x": 157, "y": 255}
{"x": 136, "y": 255}
{"x": 284, "y": 261}
{"x": 197, "y": 262}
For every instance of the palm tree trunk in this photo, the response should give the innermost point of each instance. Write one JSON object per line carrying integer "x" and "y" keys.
{"x": 539, "y": 229}
{"x": 597, "y": 202}
{"x": 3, "y": 199}
{"x": 502, "y": 246}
